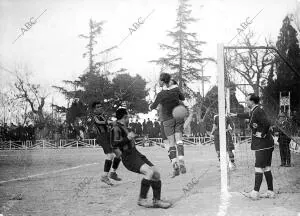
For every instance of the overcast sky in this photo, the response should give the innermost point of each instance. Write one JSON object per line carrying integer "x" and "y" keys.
{"x": 53, "y": 51}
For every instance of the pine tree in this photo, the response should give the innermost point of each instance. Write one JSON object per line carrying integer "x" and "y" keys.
{"x": 94, "y": 84}
{"x": 288, "y": 80}
{"x": 184, "y": 57}
{"x": 282, "y": 78}
{"x": 97, "y": 85}
{"x": 95, "y": 29}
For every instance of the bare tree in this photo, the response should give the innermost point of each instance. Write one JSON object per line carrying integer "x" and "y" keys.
{"x": 11, "y": 110}
{"x": 30, "y": 93}
{"x": 249, "y": 66}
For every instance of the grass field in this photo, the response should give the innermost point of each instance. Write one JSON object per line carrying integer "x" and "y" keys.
{"x": 67, "y": 182}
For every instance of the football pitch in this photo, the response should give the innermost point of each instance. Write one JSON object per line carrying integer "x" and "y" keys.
{"x": 67, "y": 182}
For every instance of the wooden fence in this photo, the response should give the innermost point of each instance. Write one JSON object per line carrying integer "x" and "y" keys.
{"x": 91, "y": 143}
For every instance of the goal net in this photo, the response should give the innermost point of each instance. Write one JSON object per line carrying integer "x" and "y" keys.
{"x": 244, "y": 70}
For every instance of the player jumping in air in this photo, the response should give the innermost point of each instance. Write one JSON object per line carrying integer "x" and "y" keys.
{"x": 229, "y": 141}
{"x": 102, "y": 133}
{"x": 136, "y": 162}
{"x": 173, "y": 128}
{"x": 173, "y": 83}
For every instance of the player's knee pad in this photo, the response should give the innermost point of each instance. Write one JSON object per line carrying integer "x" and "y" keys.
{"x": 110, "y": 156}
{"x": 266, "y": 169}
{"x": 148, "y": 174}
{"x": 259, "y": 170}
{"x": 117, "y": 153}
{"x": 172, "y": 152}
{"x": 156, "y": 176}
{"x": 180, "y": 149}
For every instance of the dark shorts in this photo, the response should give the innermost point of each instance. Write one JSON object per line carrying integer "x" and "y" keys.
{"x": 103, "y": 140}
{"x": 263, "y": 158}
{"x": 133, "y": 160}
{"x": 162, "y": 131}
{"x": 229, "y": 142}
{"x": 173, "y": 126}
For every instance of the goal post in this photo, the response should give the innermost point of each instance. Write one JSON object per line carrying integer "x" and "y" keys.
{"x": 222, "y": 126}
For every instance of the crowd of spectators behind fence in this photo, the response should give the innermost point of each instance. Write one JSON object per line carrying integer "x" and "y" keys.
{"x": 80, "y": 131}
{"x": 150, "y": 128}
{"x": 25, "y": 132}
{"x": 17, "y": 132}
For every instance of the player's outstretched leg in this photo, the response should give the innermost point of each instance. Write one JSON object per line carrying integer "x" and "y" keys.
{"x": 107, "y": 165}
{"x": 152, "y": 178}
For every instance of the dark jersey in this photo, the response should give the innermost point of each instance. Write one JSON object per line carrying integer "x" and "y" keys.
{"x": 168, "y": 99}
{"x": 260, "y": 125}
{"x": 100, "y": 128}
{"x": 119, "y": 138}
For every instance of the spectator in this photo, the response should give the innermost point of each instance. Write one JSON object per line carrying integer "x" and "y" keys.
{"x": 194, "y": 127}
{"x": 149, "y": 126}
{"x": 156, "y": 129}
{"x": 145, "y": 127}
{"x": 139, "y": 129}
{"x": 284, "y": 141}
{"x": 132, "y": 126}
{"x": 202, "y": 128}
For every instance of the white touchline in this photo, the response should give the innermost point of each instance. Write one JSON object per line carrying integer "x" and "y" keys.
{"x": 52, "y": 172}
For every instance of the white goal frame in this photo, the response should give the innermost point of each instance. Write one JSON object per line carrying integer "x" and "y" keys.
{"x": 221, "y": 104}
{"x": 222, "y": 124}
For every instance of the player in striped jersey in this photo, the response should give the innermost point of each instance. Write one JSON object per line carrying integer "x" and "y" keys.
{"x": 101, "y": 129}
{"x": 136, "y": 162}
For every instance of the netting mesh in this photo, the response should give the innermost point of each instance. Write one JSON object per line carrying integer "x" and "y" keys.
{"x": 245, "y": 76}
{"x": 286, "y": 179}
